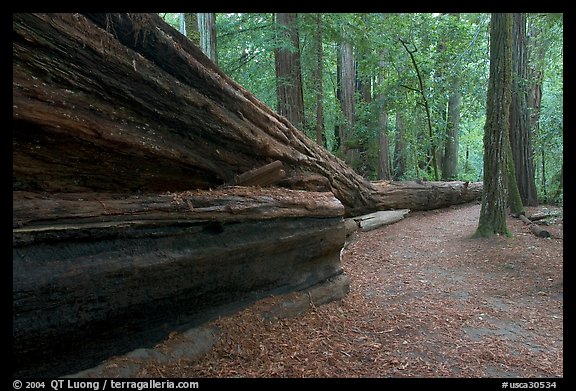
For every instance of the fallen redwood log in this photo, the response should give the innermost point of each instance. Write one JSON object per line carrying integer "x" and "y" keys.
{"x": 101, "y": 274}
{"x": 138, "y": 107}
{"x": 424, "y": 195}
{"x": 151, "y": 108}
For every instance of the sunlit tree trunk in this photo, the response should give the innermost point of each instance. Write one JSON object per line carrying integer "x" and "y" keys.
{"x": 207, "y": 29}
{"x": 520, "y": 134}
{"x": 495, "y": 195}
{"x": 288, "y": 70}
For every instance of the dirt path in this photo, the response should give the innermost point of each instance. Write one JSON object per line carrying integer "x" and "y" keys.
{"x": 425, "y": 301}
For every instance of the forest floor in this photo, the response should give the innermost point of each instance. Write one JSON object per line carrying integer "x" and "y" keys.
{"x": 426, "y": 300}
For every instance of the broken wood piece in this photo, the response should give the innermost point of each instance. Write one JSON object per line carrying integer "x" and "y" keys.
{"x": 536, "y": 230}
{"x": 262, "y": 176}
{"x": 377, "y": 219}
{"x": 543, "y": 215}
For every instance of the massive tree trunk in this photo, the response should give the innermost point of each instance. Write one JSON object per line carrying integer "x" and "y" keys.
{"x": 520, "y": 132}
{"x": 125, "y": 139}
{"x": 494, "y": 199}
{"x": 450, "y": 158}
{"x": 288, "y": 70}
{"x": 98, "y": 274}
{"x": 153, "y": 111}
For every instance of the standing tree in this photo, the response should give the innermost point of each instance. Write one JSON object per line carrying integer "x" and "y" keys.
{"x": 384, "y": 171}
{"x": 288, "y": 70}
{"x": 450, "y": 157}
{"x": 207, "y": 29}
{"x": 191, "y": 27}
{"x": 318, "y": 72}
{"x": 496, "y": 144}
{"x": 520, "y": 134}
{"x": 348, "y": 80}
{"x": 399, "y": 146}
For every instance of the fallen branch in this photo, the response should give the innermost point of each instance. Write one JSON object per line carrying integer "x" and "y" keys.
{"x": 536, "y": 230}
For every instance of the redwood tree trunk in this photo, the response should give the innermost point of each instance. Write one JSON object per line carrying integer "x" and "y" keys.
{"x": 318, "y": 74}
{"x": 207, "y": 30}
{"x": 494, "y": 199}
{"x": 520, "y": 132}
{"x": 288, "y": 70}
{"x": 348, "y": 79}
{"x": 399, "y": 146}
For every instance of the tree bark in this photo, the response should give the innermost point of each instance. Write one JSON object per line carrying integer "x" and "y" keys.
{"x": 450, "y": 158}
{"x": 97, "y": 274}
{"x": 384, "y": 171}
{"x": 348, "y": 79}
{"x": 207, "y": 30}
{"x": 494, "y": 200}
{"x": 520, "y": 132}
{"x": 158, "y": 116}
{"x": 318, "y": 74}
{"x": 288, "y": 70}
{"x": 399, "y": 146}
{"x": 425, "y": 195}
{"x": 191, "y": 23}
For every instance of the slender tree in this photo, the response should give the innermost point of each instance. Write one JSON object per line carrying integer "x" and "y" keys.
{"x": 207, "y": 29}
{"x": 520, "y": 134}
{"x": 496, "y": 144}
{"x": 348, "y": 80}
{"x": 288, "y": 70}
{"x": 318, "y": 72}
{"x": 399, "y": 146}
{"x": 384, "y": 171}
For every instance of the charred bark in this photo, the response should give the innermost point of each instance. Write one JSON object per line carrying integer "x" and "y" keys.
{"x": 96, "y": 274}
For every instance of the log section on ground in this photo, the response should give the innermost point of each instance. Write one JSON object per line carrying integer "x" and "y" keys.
{"x": 91, "y": 268}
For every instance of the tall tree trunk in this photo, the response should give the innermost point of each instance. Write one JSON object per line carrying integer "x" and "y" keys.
{"x": 450, "y": 158}
{"x": 495, "y": 196}
{"x": 451, "y": 145}
{"x": 207, "y": 29}
{"x": 536, "y": 56}
{"x": 348, "y": 79}
{"x": 399, "y": 146}
{"x": 520, "y": 134}
{"x": 318, "y": 73}
{"x": 191, "y": 23}
{"x": 338, "y": 93}
{"x": 288, "y": 70}
{"x": 384, "y": 171}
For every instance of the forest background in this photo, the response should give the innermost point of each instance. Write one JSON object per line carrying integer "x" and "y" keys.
{"x": 397, "y": 96}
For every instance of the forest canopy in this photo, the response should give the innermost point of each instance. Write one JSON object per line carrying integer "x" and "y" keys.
{"x": 418, "y": 80}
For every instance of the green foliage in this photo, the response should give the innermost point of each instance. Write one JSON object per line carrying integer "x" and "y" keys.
{"x": 449, "y": 48}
